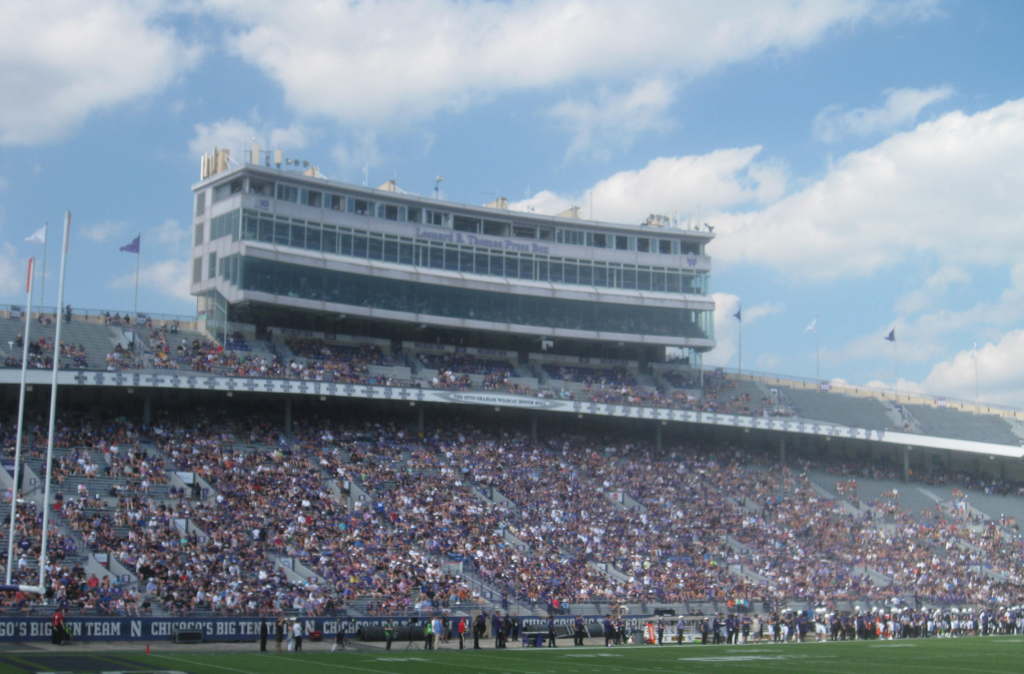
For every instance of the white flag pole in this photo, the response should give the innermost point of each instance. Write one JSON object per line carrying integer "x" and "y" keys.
{"x": 53, "y": 408}
{"x": 21, "y": 418}
{"x": 42, "y": 279}
{"x": 138, "y": 256}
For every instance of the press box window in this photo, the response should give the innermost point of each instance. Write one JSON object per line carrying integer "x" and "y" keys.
{"x": 197, "y": 270}
{"x": 288, "y": 193}
{"x": 360, "y": 207}
{"x": 387, "y": 212}
{"x": 198, "y": 239}
{"x": 643, "y": 244}
{"x": 200, "y": 203}
{"x": 436, "y": 218}
{"x": 665, "y": 246}
{"x": 335, "y": 202}
{"x": 211, "y": 268}
{"x": 224, "y": 191}
{"x": 262, "y": 187}
{"x": 311, "y": 198}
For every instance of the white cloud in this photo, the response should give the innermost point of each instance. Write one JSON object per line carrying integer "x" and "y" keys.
{"x": 613, "y": 120}
{"x": 12, "y": 274}
{"x": 170, "y": 234}
{"x": 370, "y": 63}
{"x": 101, "y": 231}
{"x": 236, "y": 135}
{"x": 169, "y": 277}
{"x": 719, "y": 180}
{"x": 934, "y": 288}
{"x": 62, "y": 61}
{"x": 360, "y": 151}
{"x": 953, "y": 188}
{"x": 901, "y": 107}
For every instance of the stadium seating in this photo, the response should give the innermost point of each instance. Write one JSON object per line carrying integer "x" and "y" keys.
{"x": 839, "y": 409}
{"x": 950, "y": 423}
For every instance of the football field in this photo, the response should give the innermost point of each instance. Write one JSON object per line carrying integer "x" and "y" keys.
{"x": 991, "y": 655}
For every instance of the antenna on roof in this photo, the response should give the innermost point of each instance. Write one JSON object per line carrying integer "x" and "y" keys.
{"x": 366, "y": 174}
{"x": 437, "y": 187}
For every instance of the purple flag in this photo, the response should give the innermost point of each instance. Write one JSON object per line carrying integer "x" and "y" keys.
{"x": 132, "y": 247}
{"x": 892, "y": 335}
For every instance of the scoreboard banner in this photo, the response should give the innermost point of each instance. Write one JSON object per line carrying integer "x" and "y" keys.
{"x": 199, "y": 382}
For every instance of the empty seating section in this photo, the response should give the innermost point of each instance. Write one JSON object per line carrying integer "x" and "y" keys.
{"x": 950, "y": 423}
{"x": 87, "y": 345}
{"x": 838, "y": 408}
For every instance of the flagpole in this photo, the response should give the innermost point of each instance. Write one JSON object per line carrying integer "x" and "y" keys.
{"x": 740, "y": 319}
{"x": 138, "y": 254}
{"x": 53, "y": 409}
{"x": 896, "y": 366}
{"x": 817, "y": 352}
{"x": 21, "y": 418}
{"x": 42, "y": 279}
{"x": 977, "y": 395}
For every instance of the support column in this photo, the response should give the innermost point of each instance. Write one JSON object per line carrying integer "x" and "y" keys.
{"x": 906, "y": 464}
{"x": 782, "y": 450}
{"x": 420, "y": 426}
{"x": 288, "y": 415}
{"x": 658, "y": 433}
{"x": 147, "y": 408}
{"x": 533, "y": 427}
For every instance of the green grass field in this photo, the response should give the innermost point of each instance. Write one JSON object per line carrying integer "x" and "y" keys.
{"x": 993, "y": 655}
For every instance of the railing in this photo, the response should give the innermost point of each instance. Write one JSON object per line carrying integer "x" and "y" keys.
{"x": 80, "y": 314}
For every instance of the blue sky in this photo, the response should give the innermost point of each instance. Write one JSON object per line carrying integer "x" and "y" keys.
{"x": 862, "y": 162}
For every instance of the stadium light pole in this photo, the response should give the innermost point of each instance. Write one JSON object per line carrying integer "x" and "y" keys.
{"x": 21, "y": 419}
{"x": 53, "y": 409}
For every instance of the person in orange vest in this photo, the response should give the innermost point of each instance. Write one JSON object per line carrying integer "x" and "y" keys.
{"x": 57, "y": 631}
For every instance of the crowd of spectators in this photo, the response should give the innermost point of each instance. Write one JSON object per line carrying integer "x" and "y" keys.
{"x": 370, "y": 512}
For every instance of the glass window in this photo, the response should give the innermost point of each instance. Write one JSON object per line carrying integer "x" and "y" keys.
{"x": 360, "y": 206}
{"x": 629, "y": 278}
{"x": 225, "y": 190}
{"x": 415, "y": 214}
{"x": 586, "y": 273}
{"x": 250, "y": 227}
{"x": 436, "y": 218}
{"x": 281, "y": 233}
{"x": 555, "y": 270}
{"x": 461, "y": 223}
{"x": 391, "y": 249}
{"x": 672, "y": 283}
{"x": 287, "y": 193}
{"x": 387, "y": 212}
{"x": 451, "y": 258}
{"x": 526, "y": 267}
{"x": 569, "y": 272}
{"x": 197, "y": 239}
{"x": 658, "y": 280}
{"x": 497, "y": 267}
{"x": 600, "y": 241}
{"x": 266, "y": 230}
{"x": 312, "y": 239}
{"x": 335, "y": 202}
{"x": 496, "y": 228}
{"x": 643, "y": 278}
{"x": 262, "y": 187}
{"x": 643, "y": 244}
{"x": 541, "y": 269}
{"x": 524, "y": 231}
{"x": 345, "y": 242}
{"x": 200, "y": 203}
{"x": 313, "y": 198}
{"x": 211, "y": 267}
{"x": 436, "y": 260}
{"x": 511, "y": 265}
{"x": 600, "y": 275}
{"x": 359, "y": 245}
{"x": 546, "y": 233}
{"x": 665, "y": 246}
{"x": 466, "y": 260}
{"x": 298, "y": 238}
{"x": 621, "y": 242}
{"x": 405, "y": 251}
{"x": 376, "y": 248}
{"x": 197, "y": 270}
{"x": 480, "y": 263}
{"x": 329, "y": 242}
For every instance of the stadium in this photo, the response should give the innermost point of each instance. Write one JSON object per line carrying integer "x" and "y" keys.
{"x": 397, "y": 415}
